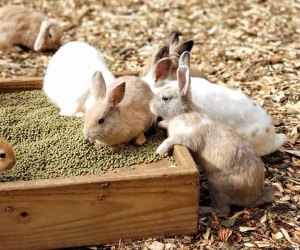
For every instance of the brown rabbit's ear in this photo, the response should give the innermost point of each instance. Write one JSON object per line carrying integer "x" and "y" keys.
{"x": 173, "y": 38}
{"x": 187, "y": 46}
{"x": 117, "y": 94}
{"x": 161, "y": 71}
{"x": 40, "y": 39}
{"x": 185, "y": 59}
{"x": 162, "y": 53}
{"x": 183, "y": 77}
{"x": 98, "y": 85}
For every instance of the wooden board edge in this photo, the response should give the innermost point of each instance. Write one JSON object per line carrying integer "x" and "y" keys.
{"x": 32, "y": 83}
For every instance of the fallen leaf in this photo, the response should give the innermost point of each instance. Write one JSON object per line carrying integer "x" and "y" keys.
{"x": 229, "y": 223}
{"x": 224, "y": 234}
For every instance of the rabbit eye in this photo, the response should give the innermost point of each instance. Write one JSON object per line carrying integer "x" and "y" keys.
{"x": 101, "y": 120}
{"x": 2, "y": 155}
{"x": 49, "y": 35}
{"x": 164, "y": 98}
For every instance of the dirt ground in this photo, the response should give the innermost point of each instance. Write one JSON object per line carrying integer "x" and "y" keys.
{"x": 251, "y": 45}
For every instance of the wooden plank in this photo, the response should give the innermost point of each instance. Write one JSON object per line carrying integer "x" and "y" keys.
{"x": 132, "y": 204}
{"x": 31, "y": 83}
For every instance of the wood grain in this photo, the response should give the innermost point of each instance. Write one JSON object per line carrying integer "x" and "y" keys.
{"x": 150, "y": 199}
{"x": 31, "y": 83}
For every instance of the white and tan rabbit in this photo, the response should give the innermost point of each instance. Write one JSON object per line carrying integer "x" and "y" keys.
{"x": 234, "y": 171}
{"x": 27, "y": 28}
{"x": 232, "y": 107}
{"x": 121, "y": 113}
{"x": 7, "y": 156}
{"x": 68, "y": 78}
{"x": 166, "y": 58}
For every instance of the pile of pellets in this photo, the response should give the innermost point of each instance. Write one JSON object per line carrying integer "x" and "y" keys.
{"x": 48, "y": 145}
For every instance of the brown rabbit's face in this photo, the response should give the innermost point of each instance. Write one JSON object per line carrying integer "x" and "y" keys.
{"x": 7, "y": 156}
{"x": 103, "y": 120}
{"x": 53, "y": 37}
{"x": 100, "y": 122}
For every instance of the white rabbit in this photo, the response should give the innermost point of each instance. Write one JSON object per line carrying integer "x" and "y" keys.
{"x": 235, "y": 173}
{"x": 232, "y": 107}
{"x": 68, "y": 78}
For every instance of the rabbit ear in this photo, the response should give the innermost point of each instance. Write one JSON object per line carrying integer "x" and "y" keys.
{"x": 173, "y": 38}
{"x": 117, "y": 94}
{"x": 183, "y": 77}
{"x": 162, "y": 53}
{"x": 187, "y": 46}
{"x": 162, "y": 70}
{"x": 185, "y": 59}
{"x": 98, "y": 85}
{"x": 40, "y": 40}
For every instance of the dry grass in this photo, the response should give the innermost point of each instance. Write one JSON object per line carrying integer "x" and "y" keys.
{"x": 251, "y": 45}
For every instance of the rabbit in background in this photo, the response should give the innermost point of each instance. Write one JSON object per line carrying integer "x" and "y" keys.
{"x": 232, "y": 107}
{"x": 234, "y": 171}
{"x": 27, "y": 28}
{"x": 166, "y": 57}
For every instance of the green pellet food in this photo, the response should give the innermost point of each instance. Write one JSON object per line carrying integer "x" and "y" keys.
{"x": 48, "y": 145}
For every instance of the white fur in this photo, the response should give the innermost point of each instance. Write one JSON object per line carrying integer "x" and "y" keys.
{"x": 206, "y": 120}
{"x": 233, "y": 108}
{"x": 69, "y": 75}
{"x": 184, "y": 129}
{"x": 151, "y": 82}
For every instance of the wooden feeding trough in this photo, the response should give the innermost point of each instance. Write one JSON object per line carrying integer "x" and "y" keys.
{"x": 150, "y": 199}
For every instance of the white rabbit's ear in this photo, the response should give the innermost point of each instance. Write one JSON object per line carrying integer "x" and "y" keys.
{"x": 40, "y": 39}
{"x": 98, "y": 85}
{"x": 187, "y": 46}
{"x": 162, "y": 70}
{"x": 185, "y": 59}
{"x": 183, "y": 77}
{"x": 173, "y": 38}
{"x": 117, "y": 94}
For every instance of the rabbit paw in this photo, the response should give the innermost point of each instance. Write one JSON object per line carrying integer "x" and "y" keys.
{"x": 140, "y": 139}
{"x": 163, "y": 124}
{"x": 164, "y": 147}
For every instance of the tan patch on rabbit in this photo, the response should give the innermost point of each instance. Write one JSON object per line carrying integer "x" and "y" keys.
{"x": 7, "y": 156}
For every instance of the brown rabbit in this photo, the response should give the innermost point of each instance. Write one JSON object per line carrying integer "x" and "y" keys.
{"x": 235, "y": 173}
{"x": 24, "y": 27}
{"x": 7, "y": 156}
{"x": 163, "y": 62}
{"x": 121, "y": 113}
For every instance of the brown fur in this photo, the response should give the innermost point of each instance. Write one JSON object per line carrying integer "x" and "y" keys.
{"x": 172, "y": 41}
{"x": 7, "y": 156}
{"x": 126, "y": 118}
{"x": 20, "y": 26}
{"x": 235, "y": 173}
